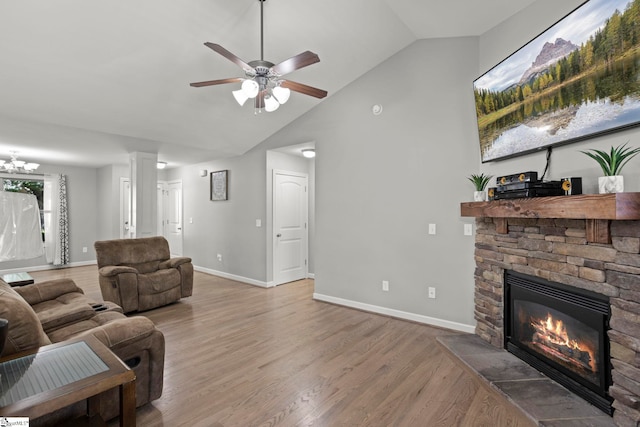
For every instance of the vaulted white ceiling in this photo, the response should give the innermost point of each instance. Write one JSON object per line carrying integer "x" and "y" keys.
{"x": 85, "y": 82}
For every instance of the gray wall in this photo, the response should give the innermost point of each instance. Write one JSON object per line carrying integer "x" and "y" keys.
{"x": 226, "y": 227}
{"x": 82, "y": 204}
{"x": 380, "y": 180}
{"x": 229, "y": 227}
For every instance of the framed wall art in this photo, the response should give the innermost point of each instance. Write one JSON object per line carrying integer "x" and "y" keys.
{"x": 578, "y": 79}
{"x": 219, "y": 185}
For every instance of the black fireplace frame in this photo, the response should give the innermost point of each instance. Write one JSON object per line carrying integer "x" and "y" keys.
{"x": 573, "y": 301}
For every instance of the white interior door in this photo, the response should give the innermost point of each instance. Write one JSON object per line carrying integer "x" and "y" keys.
{"x": 290, "y": 218}
{"x": 173, "y": 229}
{"x": 125, "y": 208}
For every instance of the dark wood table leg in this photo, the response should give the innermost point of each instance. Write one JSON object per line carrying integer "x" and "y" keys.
{"x": 128, "y": 404}
{"x": 93, "y": 406}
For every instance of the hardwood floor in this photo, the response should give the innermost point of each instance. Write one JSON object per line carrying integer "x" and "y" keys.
{"x": 239, "y": 355}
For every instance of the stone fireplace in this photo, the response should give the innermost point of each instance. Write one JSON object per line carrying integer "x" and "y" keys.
{"x": 588, "y": 242}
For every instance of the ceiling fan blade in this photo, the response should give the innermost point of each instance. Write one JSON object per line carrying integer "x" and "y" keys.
{"x": 304, "y": 89}
{"x": 216, "y": 82}
{"x": 230, "y": 56}
{"x": 295, "y": 63}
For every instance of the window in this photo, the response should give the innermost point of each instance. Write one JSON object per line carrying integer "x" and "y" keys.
{"x": 29, "y": 186}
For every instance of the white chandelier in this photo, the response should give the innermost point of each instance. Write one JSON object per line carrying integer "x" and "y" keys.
{"x": 17, "y": 166}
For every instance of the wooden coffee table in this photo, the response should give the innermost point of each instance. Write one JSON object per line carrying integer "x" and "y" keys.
{"x": 38, "y": 382}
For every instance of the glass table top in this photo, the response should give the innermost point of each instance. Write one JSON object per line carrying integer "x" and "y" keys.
{"x": 37, "y": 373}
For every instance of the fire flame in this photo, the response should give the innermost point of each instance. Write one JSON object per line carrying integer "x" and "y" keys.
{"x": 554, "y": 331}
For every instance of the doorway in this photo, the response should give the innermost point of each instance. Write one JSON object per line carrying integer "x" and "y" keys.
{"x": 169, "y": 213}
{"x": 173, "y": 217}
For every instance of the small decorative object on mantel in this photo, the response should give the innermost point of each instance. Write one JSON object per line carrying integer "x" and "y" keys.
{"x": 612, "y": 164}
{"x": 480, "y": 183}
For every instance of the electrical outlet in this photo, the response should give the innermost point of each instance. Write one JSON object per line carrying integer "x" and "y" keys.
{"x": 190, "y": 220}
{"x": 468, "y": 229}
{"x": 432, "y": 229}
{"x": 220, "y": 257}
{"x": 432, "y": 292}
{"x": 84, "y": 249}
{"x": 385, "y": 285}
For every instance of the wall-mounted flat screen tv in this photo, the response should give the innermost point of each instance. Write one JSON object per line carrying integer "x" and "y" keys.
{"x": 578, "y": 79}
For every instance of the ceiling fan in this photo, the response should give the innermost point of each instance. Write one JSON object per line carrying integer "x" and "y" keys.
{"x": 262, "y": 80}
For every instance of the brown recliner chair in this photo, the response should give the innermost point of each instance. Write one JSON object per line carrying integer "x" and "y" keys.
{"x": 139, "y": 274}
{"x": 54, "y": 311}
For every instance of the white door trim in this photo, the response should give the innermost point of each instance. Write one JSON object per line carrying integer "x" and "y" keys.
{"x": 122, "y": 227}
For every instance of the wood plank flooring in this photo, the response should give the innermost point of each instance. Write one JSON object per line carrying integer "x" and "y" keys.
{"x": 239, "y": 355}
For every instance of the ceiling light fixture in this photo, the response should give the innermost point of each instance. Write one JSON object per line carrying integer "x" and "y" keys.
{"x": 17, "y": 166}
{"x": 161, "y": 165}
{"x": 309, "y": 153}
{"x": 262, "y": 79}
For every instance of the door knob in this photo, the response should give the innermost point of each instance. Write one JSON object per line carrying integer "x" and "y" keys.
{"x": 278, "y": 235}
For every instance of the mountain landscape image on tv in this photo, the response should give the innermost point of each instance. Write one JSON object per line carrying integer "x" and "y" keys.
{"x": 578, "y": 79}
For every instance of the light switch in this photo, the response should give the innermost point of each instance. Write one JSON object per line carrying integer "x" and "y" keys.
{"x": 432, "y": 229}
{"x": 258, "y": 223}
{"x": 468, "y": 229}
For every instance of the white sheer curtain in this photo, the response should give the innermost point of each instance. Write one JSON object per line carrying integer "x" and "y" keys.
{"x": 20, "y": 232}
{"x": 56, "y": 227}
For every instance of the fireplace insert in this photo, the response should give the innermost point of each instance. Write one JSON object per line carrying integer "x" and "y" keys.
{"x": 562, "y": 332}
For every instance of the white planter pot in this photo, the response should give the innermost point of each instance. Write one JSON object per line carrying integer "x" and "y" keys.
{"x": 479, "y": 196}
{"x": 611, "y": 184}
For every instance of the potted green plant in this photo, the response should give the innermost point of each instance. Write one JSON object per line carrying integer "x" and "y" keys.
{"x": 480, "y": 183}
{"x": 612, "y": 164}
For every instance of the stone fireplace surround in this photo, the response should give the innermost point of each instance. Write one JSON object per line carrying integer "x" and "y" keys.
{"x": 590, "y": 242}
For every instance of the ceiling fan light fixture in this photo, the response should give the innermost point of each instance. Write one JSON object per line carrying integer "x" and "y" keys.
{"x": 240, "y": 96}
{"x": 270, "y": 104}
{"x": 282, "y": 94}
{"x": 250, "y": 88}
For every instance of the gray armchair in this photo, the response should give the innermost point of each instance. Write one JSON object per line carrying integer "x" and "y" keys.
{"x": 138, "y": 274}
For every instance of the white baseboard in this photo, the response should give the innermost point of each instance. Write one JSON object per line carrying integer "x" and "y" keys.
{"x": 234, "y": 277}
{"x": 46, "y": 267}
{"x": 311, "y": 276}
{"x": 397, "y": 313}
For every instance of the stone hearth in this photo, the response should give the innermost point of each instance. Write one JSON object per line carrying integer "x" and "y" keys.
{"x": 558, "y": 250}
{"x": 543, "y": 400}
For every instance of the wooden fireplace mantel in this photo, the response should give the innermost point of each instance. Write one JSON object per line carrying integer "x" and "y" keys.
{"x": 597, "y": 209}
